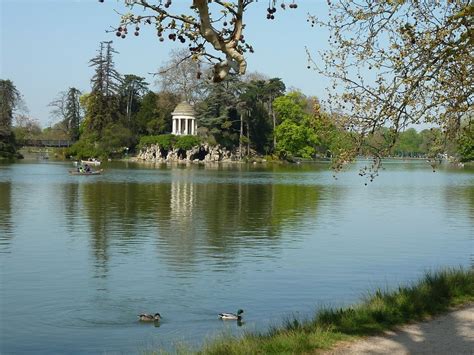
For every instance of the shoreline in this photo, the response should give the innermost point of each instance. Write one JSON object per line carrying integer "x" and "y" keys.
{"x": 435, "y": 295}
{"x": 446, "y": 333}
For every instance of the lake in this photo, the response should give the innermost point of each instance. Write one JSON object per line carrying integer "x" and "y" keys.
{"x": 81, "y": 256}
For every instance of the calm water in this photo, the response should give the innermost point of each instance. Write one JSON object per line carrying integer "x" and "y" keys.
{"x": 82, "y": 256}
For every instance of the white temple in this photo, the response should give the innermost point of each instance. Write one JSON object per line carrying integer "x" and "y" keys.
{"x": 184, "y": 120}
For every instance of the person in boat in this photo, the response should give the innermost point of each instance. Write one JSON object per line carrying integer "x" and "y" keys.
{"x": 87, "y": 168}
{"x": 81, "y": 169}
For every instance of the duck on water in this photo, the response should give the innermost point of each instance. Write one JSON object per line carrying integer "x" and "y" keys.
{"x": 231, "y": 316}
{"x": 144, "y": 317}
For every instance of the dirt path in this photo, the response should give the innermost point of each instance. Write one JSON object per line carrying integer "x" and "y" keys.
{"x": 451, "y": 334}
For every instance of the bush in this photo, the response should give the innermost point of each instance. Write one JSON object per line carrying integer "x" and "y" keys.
{"x": 86, "y": 148}
{"x": 186, "y": 142}
{"x": 165, "y": 141}
{"x": 168, "y": 141}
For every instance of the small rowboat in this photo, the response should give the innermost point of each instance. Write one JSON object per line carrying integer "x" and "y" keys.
{"x": 86, "y": 173}
{"x": 91, "y": 162}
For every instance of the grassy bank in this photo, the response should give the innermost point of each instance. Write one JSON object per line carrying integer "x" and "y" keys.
{"x": 433, "y": 294}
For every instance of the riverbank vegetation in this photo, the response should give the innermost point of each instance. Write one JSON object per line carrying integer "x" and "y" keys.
{"x": 381, "y": 310}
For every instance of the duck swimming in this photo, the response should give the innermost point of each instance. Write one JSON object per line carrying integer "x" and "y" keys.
{"x": 231, "y": 316}
{"x": 149, "y": 317}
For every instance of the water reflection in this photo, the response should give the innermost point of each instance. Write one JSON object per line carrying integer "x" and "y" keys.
{"x": 188, "y": 221}
{"x": 6, "y": 224}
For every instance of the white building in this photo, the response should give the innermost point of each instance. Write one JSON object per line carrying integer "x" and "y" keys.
{"x": 184, "y": 120}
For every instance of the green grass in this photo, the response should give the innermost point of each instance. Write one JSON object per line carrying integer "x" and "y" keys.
{"x": 435, "y": 293}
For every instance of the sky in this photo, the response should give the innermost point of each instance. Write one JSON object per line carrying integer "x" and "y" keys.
{"x": 46, "y": 45}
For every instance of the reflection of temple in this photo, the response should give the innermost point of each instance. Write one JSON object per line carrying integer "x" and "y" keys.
{"x": 6, "y": 223}
{"x": 184, "y": 120}
{"x": 182, "y": 200}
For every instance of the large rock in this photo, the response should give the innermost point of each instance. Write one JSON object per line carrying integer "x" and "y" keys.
{"x": 204, "y": 152}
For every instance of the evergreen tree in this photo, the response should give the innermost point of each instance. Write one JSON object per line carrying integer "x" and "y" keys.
{"x": 131, "y": 90}
{"x": 218, "y": 112}
{"x": 10, "y": 98}
{"x": 73, "y": 113}
{"x": 103, "y": 103}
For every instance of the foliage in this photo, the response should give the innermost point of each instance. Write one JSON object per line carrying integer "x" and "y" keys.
{"x": 291, "y": 106}
{"x": 399, "y": 63}
{"x": 87, "y": 147}
{"x": 10, "y": 100}
{"x": 10, "y": 97}
{"x": 165, "y": 141}
{"x": 168, "y": 141}
{"x": 116, "y": 138}
{"x": 100, "y": 112}
{"x": 296, "y": 135}
{"x": 334, "y": 140}
{"x": 433, "y": 294}
{"x": 296, "y": 140}
{"x": 212, "y": 28}
{"x": 8, "y": 147}
{"x": 154, "y": 116}
{"x": 466, "y": 143}
{"x": 102, "y": 105}
{"x": 218, "y": 111}
{"x": 256, "y": 103}
{"x": 131, "y": 90}
{"x": 26, "y": 128}
{"x": 73, "y": 113}
{"x": 186, "y": 142}
{"x": 408, "y": 143}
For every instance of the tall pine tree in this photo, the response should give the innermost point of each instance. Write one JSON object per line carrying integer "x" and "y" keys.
{"x": 103, "y": 103}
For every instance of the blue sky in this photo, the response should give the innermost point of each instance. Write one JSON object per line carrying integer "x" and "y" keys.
{"x": 45, "y": 46}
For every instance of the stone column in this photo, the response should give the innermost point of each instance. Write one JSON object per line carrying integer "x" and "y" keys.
{"x": 174, "y": 126}
{"x": 185, "y": 126}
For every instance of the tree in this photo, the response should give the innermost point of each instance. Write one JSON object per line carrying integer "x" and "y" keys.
{"x": 296, "y": 135}
{"x": 10, "y": 100}
{"x": 466, "y": 142}
{"x": 26, "y": 128}
{"x": 73, "y": 113}
{"x": 10, "y": 97}
{"x": 67, "y": 108}
{"x": 154, "y": 116}
{"x": 398, "y": 63}
{"x": 102, "y": 106}
{"x": 210, "y": 26}
{"x": 131, "y": 90}
{"x": 218, "y": 112}
{"x": 274, "y": 88}
{"x": 181, "y": 75}
{"x": 106, "y": 80}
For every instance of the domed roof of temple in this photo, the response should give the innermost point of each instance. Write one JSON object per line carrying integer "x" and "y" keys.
{"x": 184, "y": 108}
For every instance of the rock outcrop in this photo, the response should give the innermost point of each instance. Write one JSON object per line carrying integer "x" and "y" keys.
{"x": 201, "y": 153}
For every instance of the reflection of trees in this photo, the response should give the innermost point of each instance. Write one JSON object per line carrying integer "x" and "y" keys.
{"x": 221, "y": 219}
{"x": 189, "y": 219}
{"x": 116, "y": 212}
{"x": 6, "y": 223}
{"x": 460, "y": 198}
{"x": 71, "y": 200}
{"x": 244, "y": 215}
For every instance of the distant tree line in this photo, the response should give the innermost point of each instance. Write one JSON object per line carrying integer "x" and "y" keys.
{"x": 248, "y": 113}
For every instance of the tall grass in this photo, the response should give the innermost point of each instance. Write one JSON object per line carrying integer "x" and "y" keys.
{"x": 436, "y": 292}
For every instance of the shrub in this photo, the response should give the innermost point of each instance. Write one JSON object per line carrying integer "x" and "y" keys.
{"x": 165, "y": 141}
{"x": 168, "y": 141}
{"x": 187, "y": 142}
